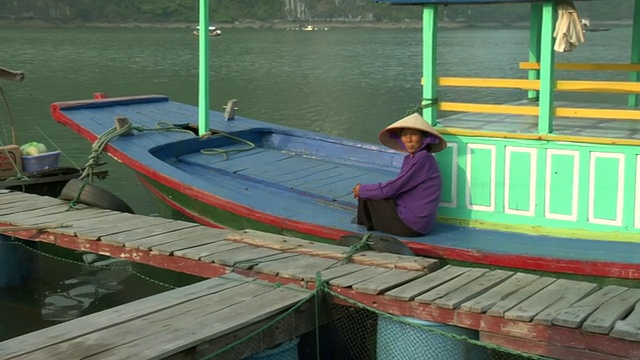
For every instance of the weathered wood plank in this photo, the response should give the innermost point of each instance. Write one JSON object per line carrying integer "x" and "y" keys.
{"x": 32, "y": 210}
{"x": 489, "y": 299}
{"x": 442, "y": 290}
{"x": 629, "y": 328}
{"x": 519, "y": 296}
{"x": 531, "y": 307}
{"x": 212, "y": 236}
{"x": 472, "y": 289}
{"x": 60, "y": 217}
{"x": 198, "y": 252}
{"x": 603, "y": 319}
{"x": 247, "y": 256}
{"x": 574, "y": 316}
{"x": 150, "y": 328}
{"x": 418, "y": 287}
{"x": 358, "y": 277}
{"x": 342, "y": 270}
{"x": 198, "y": 328}
{"x": 127, "y": 225}
{"x": 16, "y": 208}
{"x": 301, "y": 267}
{"x": 567, "y": 299}
{"x": 41, "y": 339}
{"x": 120, "y": 239}
{"x": 147, "y": 243}
{"x": 373, "y": 258}
{"x": 388, "y": 280}
{"x": 89, "y": 226}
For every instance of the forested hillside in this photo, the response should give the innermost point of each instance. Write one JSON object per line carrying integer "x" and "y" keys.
{"x": 226, "y": 11}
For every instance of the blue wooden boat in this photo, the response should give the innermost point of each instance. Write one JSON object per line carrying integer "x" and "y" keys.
{"x": 527, "y": 185}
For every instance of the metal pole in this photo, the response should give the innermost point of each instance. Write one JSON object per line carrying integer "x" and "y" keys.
{"x": 203, "y": 69}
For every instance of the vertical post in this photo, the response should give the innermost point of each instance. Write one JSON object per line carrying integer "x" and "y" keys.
{"x": 635, "y": 51}
{"x": 535, "y": 28}
{"x": 429, "y": 63}
{"x": 203, "y": 69}
{"x": 547, "y": 70}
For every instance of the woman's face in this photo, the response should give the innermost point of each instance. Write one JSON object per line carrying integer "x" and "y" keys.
{"x": 412, "y": 139}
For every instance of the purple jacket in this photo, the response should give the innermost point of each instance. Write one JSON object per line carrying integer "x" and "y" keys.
{"x": 416, "y": 190}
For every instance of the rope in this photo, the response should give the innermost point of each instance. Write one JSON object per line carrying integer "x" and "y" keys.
{"x": 11, "y": 120}
{"x": 98, "y": 147}
{"x": 224, "y": 152}
{"x": 424, "y": 104}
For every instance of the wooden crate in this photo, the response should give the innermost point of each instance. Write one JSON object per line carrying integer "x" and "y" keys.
{"x": 10, "y": 155}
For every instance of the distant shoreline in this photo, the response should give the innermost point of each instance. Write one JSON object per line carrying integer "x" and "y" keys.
{"x": 273, "y": 24}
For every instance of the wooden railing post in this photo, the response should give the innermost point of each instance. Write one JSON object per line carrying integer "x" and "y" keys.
{"x": 430, "y": 60}
{"x": 547, "y": 69}
{"x": 535, "y": 27}
{"x": 635, "y": 51}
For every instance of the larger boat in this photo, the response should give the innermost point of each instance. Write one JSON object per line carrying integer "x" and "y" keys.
{"x": 538, "y": 184}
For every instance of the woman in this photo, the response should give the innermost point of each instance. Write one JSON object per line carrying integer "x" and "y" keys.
{"x": 406, "y": 205}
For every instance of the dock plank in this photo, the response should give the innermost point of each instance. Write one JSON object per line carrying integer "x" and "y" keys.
{"x": 198, "y": 328}
{"x": 105, "y": 229}
{"x": 519, "y": 296}
{"x": 575, "y": 315}
{"x": 531, "y": 307}
{"x": 605, "y": 317}
{"x": 91, "y": 225}
{"x": 147, "y": 243}
{"x": 387, "y": 281}
{"x": 472, "y": 289}
{"x": 30, "y": 218}
{"x": 153, "y": 325}
{"x": 120, "y": 239}
{"x": 331, "y": 251}
{"x": 24, "y": 206}
{"x": 354, "y": 278}
{"x": 213, "y": 235}
{"x": 42, "y": 339}
{"x": 243, "y": 256}
{"x": 578, "y": 292}
{"x": 301, "y": 267}
{"x": 418, "y": 287}
{"x": 451, "y": 286}
{"x": 341, "y": 271}
{"x": 489, "y": 299}
{"x": 198, "y": 252}
{"x": 629, "y": 328}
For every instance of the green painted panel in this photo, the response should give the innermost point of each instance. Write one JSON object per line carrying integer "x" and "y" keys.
{"x": 519, "y": 181}
{"x": 561, "y": 184}
{"x": 605, "y": 193}
{"x": 480, "y": 182}
{"x": 446, "y": 164}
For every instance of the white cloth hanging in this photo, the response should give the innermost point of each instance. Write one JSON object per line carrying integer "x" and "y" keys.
{"x": 568, "y": 32}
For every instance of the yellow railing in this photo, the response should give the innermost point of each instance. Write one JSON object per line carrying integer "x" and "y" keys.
{"x": 625, "y": 87}
{"x": 583, "y": 67}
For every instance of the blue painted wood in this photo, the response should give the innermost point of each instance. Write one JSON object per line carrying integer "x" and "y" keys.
{"x": 289, "y": 163}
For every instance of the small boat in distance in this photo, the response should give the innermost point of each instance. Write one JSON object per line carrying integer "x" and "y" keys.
{"x": 586, "y": 26}
{"x": 213, "y": 31}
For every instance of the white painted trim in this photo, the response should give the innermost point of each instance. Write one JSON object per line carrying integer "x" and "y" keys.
{"x": 492, "y": 205}
{"x": 636, "y": 208}
{"x": 454, "y": 177}
{"x": 547, "y": 185}
{"x": 620, "y": 196}
{"x": 533, "y": 171}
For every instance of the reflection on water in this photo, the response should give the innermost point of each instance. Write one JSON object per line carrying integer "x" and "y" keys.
{"x": 56, "y": 285}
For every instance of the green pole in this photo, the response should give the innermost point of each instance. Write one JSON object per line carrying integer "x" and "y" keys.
{"x": 535, "y": 27}
{"x": 203, "y": 69}
{"x": 547, "y": 60}
{"x": 429, "y": 62}
{"x": 635, "y": 51}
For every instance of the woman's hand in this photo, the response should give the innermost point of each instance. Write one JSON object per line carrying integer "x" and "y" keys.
{"x": 356, "y": 191}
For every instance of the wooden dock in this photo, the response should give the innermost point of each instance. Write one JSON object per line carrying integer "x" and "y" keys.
{"x": 552, "y": 317}
{"x": 187, "y": 323}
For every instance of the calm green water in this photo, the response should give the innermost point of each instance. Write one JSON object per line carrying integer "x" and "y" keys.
{"x": 344, "y": 82}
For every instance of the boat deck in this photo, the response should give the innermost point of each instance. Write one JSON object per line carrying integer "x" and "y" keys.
{"x": 560, "y": 318}
{"x": 523, "y": 124}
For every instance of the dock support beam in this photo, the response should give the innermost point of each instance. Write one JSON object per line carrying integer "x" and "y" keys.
{"x": 535, "y": 28}
{"x": 635, "y": 51}
{"x": 203, "y": 69}
{"x": 429, "y": 63}
{"x": 547, "y": 69}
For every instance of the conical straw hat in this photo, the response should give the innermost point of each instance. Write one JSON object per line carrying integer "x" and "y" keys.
{"x": 413, "y": 121}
